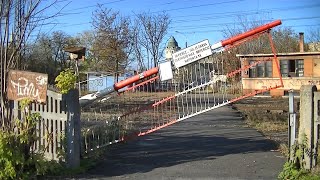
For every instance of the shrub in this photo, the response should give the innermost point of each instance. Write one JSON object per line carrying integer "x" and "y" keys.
{"x": 18, "y": 160}
{"x": 66, "y": 81}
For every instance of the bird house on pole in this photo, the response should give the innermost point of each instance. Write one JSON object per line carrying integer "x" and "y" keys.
{"x": 76, "y": 53}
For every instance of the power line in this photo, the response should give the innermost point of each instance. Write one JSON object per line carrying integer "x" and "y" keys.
{"x": 221, "y": 30}
{"x": 234, "y": 23}
{"x": 217, "y": 17}
{"x": 86, "y": 7}
{"x": 235, "y": 14}
{"x": 172, "y": 2}
{"x": 196, "y": 6}
{"x": 226, "y": 14}
{"x": 240, "y": 12}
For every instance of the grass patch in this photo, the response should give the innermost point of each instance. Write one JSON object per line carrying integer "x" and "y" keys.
{"x": 86, "y": 163}
{"x": 267, "y": 126}
{"x": 266, "y": 122}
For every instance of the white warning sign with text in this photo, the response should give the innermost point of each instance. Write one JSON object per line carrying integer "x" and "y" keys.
{"x": 191, "y": 54}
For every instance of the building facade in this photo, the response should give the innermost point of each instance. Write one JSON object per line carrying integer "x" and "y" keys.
{"x": 299, "y": 68}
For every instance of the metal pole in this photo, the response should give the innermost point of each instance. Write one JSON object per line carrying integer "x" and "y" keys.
{"x": 78, "y": 76}
{"x": 184, "y": 37}
{"x": 292, "y": 123}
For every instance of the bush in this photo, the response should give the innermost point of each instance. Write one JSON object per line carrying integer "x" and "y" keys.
{"x": 18, "y": 160}
{"x": 66, "y": 81}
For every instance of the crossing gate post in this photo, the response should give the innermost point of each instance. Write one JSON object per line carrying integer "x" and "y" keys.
{"x": 73, "y": 129}
{"x": 291, "y": 124}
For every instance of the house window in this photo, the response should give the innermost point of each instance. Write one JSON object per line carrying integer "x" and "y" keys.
{"x": 252, "y": 70}
{"x": 292, "y": 68}
{"x": 300, "y": 68}
{"x": 261, "y": 70}
{"x": 268, "y": 70}
{"x": 284, "y": 68}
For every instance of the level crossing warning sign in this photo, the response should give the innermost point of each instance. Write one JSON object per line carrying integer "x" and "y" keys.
{"x": 191, "y": 54}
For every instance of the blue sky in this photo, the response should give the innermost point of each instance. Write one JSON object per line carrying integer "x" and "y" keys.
{"x": 195, "y": 20}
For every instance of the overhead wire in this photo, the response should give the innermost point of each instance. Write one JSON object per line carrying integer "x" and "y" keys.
{"x": 206, "y": 25}
{"x": 226, "y": 14}
{"x": 196, "y": 6}
{"x": 221, "y": 30}
{"x": 228, "y": 23}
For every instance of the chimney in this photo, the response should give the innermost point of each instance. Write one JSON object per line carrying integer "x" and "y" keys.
{"x": 301, "y": 41}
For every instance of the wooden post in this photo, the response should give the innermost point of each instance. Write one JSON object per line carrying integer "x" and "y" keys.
{"x": 307, "y": 122}
{"x": 73, "y": 129}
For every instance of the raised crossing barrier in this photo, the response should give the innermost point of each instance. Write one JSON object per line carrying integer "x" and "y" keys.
{"x": 194, "y": 82}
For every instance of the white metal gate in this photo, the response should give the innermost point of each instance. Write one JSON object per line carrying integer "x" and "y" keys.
{"x": 198, "y": 84}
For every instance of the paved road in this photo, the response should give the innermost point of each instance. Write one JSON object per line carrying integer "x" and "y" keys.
{"x": 214, "y": 145}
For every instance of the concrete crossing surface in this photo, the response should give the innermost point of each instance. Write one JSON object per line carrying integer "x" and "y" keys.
{"x": 213, "y": 145}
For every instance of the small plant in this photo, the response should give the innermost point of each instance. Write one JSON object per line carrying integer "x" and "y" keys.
{"x": 294, "y": 169}
{"x": 291, "y": 171}
{"x": 66, "y": 81}
{"x": 17, "y": 160}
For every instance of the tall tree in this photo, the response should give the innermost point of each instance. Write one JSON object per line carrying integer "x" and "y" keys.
{"x": 112, "y": 44}
{"x": 314, "y": 39}
{"x": 139, "y": 46}
{"x": 18, "y": 20}
{"x": 154, "y": 28}
{"x": 285, "y": 40}
{"x": 47, "y": 54}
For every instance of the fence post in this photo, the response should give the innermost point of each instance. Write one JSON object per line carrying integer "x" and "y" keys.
{"x": 291, "y": 124}
{"x": 316, "y": 126}
{"x": 73, "y": 129}
{"x": 307, "y": 122}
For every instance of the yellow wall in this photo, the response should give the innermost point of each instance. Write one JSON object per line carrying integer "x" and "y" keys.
{"x": 316, "y": 67}
{"x": 289, "y": 83}
{"x": 311, "y": 75}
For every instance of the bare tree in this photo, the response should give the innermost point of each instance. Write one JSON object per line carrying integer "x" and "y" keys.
{"x": 112, "y": 44}
{"x": 47, "y": 54}
{"x": 18, "y": 20}
{"x": 314, "y": 39}
{"x": 139, "y": 47}
{"x": 285, "y": 40}
{"x": 154, "y": 28}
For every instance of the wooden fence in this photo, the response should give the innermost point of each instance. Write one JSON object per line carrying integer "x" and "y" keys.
{"x": 58, "y": 131}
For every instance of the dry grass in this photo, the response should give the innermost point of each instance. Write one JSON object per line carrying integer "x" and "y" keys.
{"x": 266, "y": 121}
{"x": 283, "y": 149}
{"x": 268, "y": 116}
{"x": 268, "y": 126}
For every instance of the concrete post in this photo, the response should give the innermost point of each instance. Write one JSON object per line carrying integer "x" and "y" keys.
{"x": 316, "y": 126}
{"x": 307, "y": 122}
{"x": 73, "y": 129}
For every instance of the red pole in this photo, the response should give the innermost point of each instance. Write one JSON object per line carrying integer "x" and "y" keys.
{"x": 135, "y": 78}
{"x": 250, "y": 33}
